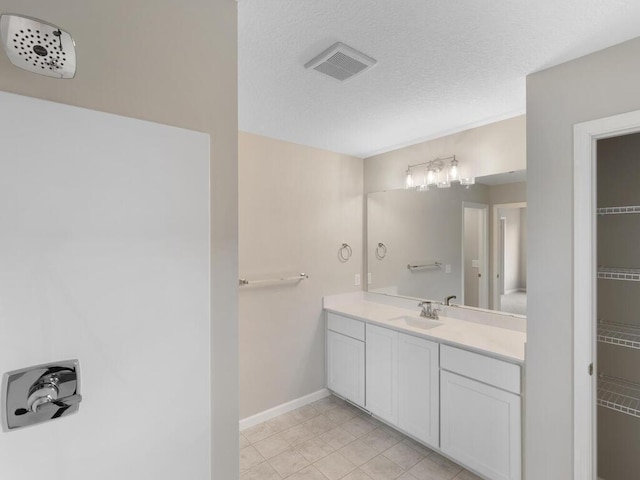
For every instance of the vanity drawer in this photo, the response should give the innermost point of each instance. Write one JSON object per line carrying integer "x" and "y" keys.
{"x": 346, "y": 326}
{"x": 487, "y": 370}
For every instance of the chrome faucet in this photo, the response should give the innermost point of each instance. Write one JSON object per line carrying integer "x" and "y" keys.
{"x": 447, "y": 300}
{"x": 428, "y": 310}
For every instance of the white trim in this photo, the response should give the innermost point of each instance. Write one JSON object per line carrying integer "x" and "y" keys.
{"x": 584, "y": 283}
{"x": 282, "y": 409}
{"x": 515, "y": 290}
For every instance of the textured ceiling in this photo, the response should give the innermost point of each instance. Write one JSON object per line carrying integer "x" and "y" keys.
{"x": 443, "y": 66}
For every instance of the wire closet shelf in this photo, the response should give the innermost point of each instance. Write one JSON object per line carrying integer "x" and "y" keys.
{"x": 619, "y": 395}
{"x": 611, "y": 273}
{"x": 619, "y": 334}
{"x": 622, "y": 210}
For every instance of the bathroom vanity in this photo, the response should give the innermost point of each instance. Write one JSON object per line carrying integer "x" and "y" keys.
{"x": 454, "y": 384}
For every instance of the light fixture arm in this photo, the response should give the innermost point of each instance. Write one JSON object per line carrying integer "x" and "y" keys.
{"x": 437, "y": 162}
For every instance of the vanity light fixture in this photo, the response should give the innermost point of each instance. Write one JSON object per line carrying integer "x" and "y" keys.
{"x": 438, "y": 174}
{"x": 454, "y": 173}
{"x": 408, "y": 183}
{"x": 468, "y": 181}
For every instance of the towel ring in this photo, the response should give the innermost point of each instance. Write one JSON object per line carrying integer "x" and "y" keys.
{"x": 345, "y": 252}
{"x": 381, "y": 251}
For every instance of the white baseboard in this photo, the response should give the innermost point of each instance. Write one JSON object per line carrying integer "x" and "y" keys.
{"x": 281, "y": 409}
{"x": 514, "y": 290}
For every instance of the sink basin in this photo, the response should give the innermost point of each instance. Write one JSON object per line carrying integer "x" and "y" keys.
{"x": 415, "y": 322}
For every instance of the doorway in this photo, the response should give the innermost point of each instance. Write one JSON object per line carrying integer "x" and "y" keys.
{"x": 475, "y": 254}
{"x": 509, "y": 258}
{"x": 606, "y": 286}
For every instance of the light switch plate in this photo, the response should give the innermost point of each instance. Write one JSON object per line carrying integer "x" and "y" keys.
{"x": 357, "y": 280}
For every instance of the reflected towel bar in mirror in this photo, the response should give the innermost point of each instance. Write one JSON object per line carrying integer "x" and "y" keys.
{"x": 423, "y": 266}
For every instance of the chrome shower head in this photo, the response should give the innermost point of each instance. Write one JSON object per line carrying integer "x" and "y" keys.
{"x": 38, "y": 46}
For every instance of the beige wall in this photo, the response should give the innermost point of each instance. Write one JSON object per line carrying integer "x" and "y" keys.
{"x": 508, "y": 193}
{"x": 598, "y": 85}
{"x": 419, "y": 227}
{"x": 495, "y": 148}
{"x": 297, "y": 206}
{"x": 174, "y": 63}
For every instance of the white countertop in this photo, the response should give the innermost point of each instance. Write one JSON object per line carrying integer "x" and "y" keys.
{"x": 503, "y": 343}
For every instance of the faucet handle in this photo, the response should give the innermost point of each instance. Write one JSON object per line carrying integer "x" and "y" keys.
{"x": 53, "y": 405}
{"x": 426, "y": 305}
{"x": 427, "y": 309}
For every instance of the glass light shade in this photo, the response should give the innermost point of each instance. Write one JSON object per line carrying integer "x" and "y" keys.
{"x": 468, "y": 181}
{"x": 408, "y": 184}
{"x": 454, "y": 171}
{"x": 443, "y": 179}
{"x": 432, "y": 178}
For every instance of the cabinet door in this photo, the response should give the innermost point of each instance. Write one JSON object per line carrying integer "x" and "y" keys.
{"x": 345, "y": 367}
{"x": 480, "y": 426}
{"x": 382, "y": 373}
{"x": 419, "y": 389}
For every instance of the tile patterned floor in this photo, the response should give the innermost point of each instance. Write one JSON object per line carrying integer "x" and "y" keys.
{"x": 332, "y": 440}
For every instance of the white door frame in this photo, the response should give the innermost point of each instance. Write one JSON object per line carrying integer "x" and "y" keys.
{"x": 495, "y": 248}
{"x": 585, "y": 136}
{"x": 483, "y": 296}
{"x": 502, "y": 241}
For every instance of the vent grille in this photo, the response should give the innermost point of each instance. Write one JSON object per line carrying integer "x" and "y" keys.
{"x": 341, "y": 62}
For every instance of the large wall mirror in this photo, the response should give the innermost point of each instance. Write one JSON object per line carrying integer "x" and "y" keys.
{"x": 464, "y": 241}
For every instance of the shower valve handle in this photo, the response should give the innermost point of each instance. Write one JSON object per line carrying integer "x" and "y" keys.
{"x": 54, "y": 405}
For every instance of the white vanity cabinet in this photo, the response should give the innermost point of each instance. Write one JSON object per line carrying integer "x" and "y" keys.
{"x": 382, "y": 373}
{"x": 419, "y": 388}
{"x": 345, "y": 357}
{"x": 403, "y": 382}
{"x": 480, "y": 413}
{"x": 464, "y": 404}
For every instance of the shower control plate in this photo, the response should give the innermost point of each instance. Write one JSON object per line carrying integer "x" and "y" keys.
{"x": 40, "y": 393}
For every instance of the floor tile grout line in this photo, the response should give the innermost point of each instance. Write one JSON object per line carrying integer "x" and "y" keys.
{"x": 307, "y": 413}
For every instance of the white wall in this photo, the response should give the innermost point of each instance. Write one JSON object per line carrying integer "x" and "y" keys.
{"x": 174, "y": 63}
{"x": 297, "y": 206}
{"x": 599, "y": 85}
{"x": 104, "y": 243}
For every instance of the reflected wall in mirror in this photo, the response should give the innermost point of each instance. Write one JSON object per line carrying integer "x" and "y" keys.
{"x": 464, "y": 241}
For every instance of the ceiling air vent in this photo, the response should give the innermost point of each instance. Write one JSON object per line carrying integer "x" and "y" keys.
{"x": 341, "y": 62}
